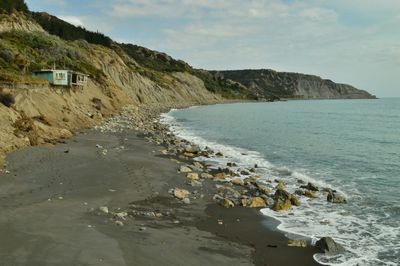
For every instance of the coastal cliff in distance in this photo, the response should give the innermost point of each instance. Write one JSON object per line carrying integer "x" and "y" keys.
{"x": 270, "y": 84}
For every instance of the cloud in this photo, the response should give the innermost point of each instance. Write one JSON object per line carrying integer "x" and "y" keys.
{"x": 77, "y": 21}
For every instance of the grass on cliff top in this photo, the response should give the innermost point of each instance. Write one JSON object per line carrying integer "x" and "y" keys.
{"x": 31, "y": 51}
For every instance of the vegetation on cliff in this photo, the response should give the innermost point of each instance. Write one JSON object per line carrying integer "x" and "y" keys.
{"x": 9, "y": 6}
{"x": 66, "y": 31}
{"x": 22, "y": 52}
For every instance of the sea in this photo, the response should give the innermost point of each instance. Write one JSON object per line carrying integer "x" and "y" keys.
{"x": 352, "y": 146}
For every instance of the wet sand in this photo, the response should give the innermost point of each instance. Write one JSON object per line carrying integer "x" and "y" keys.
{"x": 49, "y": 211}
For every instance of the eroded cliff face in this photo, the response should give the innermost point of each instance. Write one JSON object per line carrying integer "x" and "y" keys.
{"x": 272, "y": 84}
{"x": 18, "y": 21}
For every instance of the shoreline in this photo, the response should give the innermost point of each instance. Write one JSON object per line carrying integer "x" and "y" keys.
{"x": 201, "y": 213}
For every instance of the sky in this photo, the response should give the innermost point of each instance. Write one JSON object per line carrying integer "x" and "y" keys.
{"x": 348, "y": 41}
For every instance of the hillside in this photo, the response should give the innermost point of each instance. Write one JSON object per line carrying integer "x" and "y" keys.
{"x": 272, "y": 84}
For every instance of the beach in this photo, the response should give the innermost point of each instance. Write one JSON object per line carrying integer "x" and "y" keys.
{"x": 104, "y": 198}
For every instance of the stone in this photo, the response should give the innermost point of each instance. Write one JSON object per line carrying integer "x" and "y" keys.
{"x": 237, "y": 181}
{"x": 328, "y": 246}
{"x": 297, "y": 243}
{"x": 195, "y": 183}
{"x": 281, "y": 185}
{"x": 310, "y": 186}
{"x": 282, "y": 200}
{"x": 186, "y": 200}
{"x": 181, "y": 193}
{"x": 185, "y": 169}
{"x": 231, "y": 164}
{"x": 121, "y": 215}
{"x": 300, "y": 192}
{"x": 294, "y": 200}
{"x": 221, "y": 175}
{"x": 198, "y": 165}
{"x": 193, "y": 176}
{"x": 244, "y": 172}
{"x": 104, "y": 209}
{"x": 119, "y": 223}
{"x": 219, "y": 154}
{"x": 206, "y": 176}
{"x": 228, "y": 192}
{"x": 189, "y": 154}
{"x": 227, "y": 203}
{"x": 192, "y": 149}
{"x": 310, "y": 194}
{"x": 335, "y": 198}
{"x": 264, "y": 189}
{"x": 255, "y": 202}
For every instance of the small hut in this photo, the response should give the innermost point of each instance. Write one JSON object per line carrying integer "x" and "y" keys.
{"x": 78, "y": 79}
{"x": 54, "y": 76}
{"x": 65, "y": 78}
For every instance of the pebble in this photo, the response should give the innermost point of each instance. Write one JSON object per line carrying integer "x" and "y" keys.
{"x": 119, "y": 223}
{"x": 104, "y": 209}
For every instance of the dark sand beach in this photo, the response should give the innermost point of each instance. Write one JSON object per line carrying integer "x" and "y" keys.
{"x": 50, "y": 213}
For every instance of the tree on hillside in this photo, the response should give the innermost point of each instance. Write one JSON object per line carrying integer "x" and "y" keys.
{"x": 10, "y": 5}
{"x": 67, "y": 31}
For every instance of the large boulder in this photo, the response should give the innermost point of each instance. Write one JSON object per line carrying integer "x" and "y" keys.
{"x": 328, "y": 246}
{"x": 297, "y": 243}
{"x": 264, "y": 189}
{"x": 310, "y": 186}
{"x": 294, "y": 200}
{"x": 228, "y": 192}
{"x": 282, "y": 200}
{"x": 181, "y": 193}
{"x": 193, "y": 176}
{"x": 335, "y": 197}
{"x": 254, "y": 202}
{"x": 225, "y": 202}
{"x": 194, "y": 149}
{"x": 185, "y": 169}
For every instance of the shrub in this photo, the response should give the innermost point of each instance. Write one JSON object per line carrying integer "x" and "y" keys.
{"x": 7, "y": 55}
{"x": 7, "y": 99}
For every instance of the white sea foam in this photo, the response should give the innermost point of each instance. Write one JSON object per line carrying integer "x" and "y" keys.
{"x": 362, "y": 236}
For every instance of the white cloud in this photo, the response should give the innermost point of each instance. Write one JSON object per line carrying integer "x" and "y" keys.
{"x": 74, "y": 20}
{"x": 319, "y": 14}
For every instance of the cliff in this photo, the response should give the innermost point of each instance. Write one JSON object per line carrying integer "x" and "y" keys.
{"x": 271, "y": 84}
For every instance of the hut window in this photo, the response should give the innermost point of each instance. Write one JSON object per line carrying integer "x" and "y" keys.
{"x": 60, "y": 76}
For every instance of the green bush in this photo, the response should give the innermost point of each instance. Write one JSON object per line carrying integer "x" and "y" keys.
{"x": 7, "y": 99}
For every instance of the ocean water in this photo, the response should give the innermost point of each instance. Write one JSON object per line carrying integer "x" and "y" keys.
{"x": 352, "y": 146}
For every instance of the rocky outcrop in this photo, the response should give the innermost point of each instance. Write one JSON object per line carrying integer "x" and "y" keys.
{"x": 271, "y": 84}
